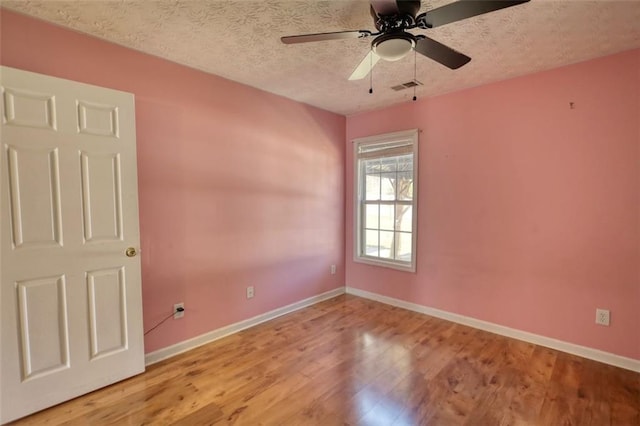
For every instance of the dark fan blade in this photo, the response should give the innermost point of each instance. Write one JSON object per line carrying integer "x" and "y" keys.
{"x": 441, "y": 53}
{"x": 339, "y": 35}
{"x": 463, "y": 9}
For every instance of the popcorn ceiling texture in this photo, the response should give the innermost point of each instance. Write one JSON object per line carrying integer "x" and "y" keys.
{"x": 240, "y": 40}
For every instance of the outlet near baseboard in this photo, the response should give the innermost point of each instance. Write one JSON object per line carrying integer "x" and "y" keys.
{"x": 603, "y": 316}
{"x": 178, "y": 310}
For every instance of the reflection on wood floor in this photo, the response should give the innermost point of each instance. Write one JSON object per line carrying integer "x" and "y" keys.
{"x": 352, "y": 361}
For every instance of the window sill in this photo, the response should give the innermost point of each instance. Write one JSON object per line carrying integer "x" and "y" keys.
{"x": 373, "y": 261}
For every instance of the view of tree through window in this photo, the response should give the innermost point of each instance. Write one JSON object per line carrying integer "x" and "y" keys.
{"x": 386, "y": 199}
{"x": 388, "y": 208}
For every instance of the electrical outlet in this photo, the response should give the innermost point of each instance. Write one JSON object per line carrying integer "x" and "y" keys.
{"x": 603, "y": 316}
{"x": 333, "y": 269}
{"x": 178, "y": 314}
{"x": 250, "y": 292}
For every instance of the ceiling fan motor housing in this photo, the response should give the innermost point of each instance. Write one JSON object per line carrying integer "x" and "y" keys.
{"x": 389, "y": 15}
{"x": 395, "y": 7}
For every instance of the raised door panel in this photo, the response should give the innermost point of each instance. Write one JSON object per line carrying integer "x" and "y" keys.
{"x": 101, "y": 197}
{"x": 35, "y": 221}
{"x": 106, "y": 290}
{"x": 28, "y": 108}
{"x": 43, "y": 326}
{"x": 98, "y": 119}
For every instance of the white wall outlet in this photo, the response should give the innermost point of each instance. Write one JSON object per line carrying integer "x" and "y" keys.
{"x": 333, "y": 269}
{"x": 603, "y": 316}
{"x": 250, "y": 292}
{"x": 176, "y": 313}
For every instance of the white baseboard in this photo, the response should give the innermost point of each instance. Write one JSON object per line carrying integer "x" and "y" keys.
{"x": 178, "y": 348}
{"x": 594, "y": 354}
{"x": 585, "y": 352}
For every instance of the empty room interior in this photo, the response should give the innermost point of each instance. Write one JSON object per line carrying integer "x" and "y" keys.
{"x": 341, "y": 212}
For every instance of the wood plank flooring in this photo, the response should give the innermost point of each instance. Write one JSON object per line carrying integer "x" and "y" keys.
{"x": 352, "y": 361}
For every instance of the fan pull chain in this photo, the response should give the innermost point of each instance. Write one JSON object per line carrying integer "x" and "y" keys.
{"x": 415, "y": 66}
{"x": 371, "y": 72}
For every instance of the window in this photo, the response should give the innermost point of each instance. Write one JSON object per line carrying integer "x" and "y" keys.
{"x": 386, "y": 199}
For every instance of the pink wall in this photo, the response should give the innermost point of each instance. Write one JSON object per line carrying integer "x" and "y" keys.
{"x": 237, "y": 187}
{"x": 529, "y": 211}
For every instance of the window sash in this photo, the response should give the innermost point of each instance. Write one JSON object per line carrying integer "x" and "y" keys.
{"x": 396, "y": 230}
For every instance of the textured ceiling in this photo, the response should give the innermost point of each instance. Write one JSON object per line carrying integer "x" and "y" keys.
{"x": 240, "y": 40}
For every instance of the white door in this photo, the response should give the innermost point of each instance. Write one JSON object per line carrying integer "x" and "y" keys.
{"x": 70, "y": 296}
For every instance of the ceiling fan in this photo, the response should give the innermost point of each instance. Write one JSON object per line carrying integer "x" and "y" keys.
{"x": 392, "y": 19}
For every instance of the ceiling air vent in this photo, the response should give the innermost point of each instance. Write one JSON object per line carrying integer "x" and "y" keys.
{"x": 407, "y": 85}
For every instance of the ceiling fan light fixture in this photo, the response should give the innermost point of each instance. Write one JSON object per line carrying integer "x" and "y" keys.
{"x": 394, "y": 46}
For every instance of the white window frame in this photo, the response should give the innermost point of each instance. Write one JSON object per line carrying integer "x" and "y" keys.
{"x": 391, "y": 139}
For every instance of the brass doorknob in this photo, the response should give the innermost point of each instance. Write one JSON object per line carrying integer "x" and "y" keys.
{"x": 131, "y": 251}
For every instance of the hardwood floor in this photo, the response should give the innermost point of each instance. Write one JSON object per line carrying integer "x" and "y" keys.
{"x": 352, "y": 361}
